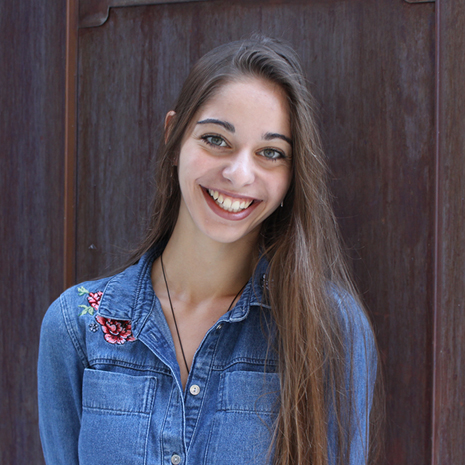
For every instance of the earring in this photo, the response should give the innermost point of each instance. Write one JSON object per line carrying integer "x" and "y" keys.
{"x": 282, "y": 203}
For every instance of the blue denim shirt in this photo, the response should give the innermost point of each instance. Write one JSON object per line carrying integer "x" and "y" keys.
{"x": 110, "y": 388}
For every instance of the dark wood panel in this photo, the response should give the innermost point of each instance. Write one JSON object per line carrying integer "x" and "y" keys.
{"x": 449, "y": 393}
{"x": 70, "y": 142}
{"x": 94, "y": 13}
{"x": 371, "y": 65}
{"x": 377, "y": 98}
{"x": 31, "y": 197}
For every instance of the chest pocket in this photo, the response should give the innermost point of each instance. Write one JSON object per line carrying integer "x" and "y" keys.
{"x": 116, "y": 411}
{"x": 243, "y": 425}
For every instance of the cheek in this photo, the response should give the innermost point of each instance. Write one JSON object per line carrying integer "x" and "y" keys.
{"x": 187, "y": 167}
{"x": 283, "y": 182}
{"x": 192, "y": 162}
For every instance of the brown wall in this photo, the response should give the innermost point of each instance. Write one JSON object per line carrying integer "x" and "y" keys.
{"x": 449, "y": 328}
{"x": 388, "y": 76}
{"x": 31, "y": 201}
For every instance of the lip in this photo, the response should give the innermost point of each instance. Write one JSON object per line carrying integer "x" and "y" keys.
{"x": 233, "y": 216}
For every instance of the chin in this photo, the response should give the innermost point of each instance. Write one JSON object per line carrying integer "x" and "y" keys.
{"x": 231, "y": 236}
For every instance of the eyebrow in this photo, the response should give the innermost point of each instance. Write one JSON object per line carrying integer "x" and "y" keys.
{"x": 228, "y": 126}
{"x": 273, "y": 135}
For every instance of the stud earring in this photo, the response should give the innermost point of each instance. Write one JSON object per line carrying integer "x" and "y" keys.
{"x": 282, "y": 203}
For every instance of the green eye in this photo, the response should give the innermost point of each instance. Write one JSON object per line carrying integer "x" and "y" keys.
{"x": 215, "y": 140}
{"x": 272, "y": 154}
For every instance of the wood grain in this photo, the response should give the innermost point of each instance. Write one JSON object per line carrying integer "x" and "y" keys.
{"x": 449, "y": 360}
{"x": 32, "y": 37}
{"x": 94, "y": 13}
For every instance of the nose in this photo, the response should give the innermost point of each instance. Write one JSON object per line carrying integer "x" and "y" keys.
{"x": 240, "y": 168}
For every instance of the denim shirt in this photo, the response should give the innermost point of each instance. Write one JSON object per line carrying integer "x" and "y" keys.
{"x": 110, "y": 389}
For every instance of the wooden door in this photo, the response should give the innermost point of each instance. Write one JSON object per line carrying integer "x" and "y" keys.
{"x": 371, "y": 66}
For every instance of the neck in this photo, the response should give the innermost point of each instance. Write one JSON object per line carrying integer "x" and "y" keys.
{"x": 200, "y": 269}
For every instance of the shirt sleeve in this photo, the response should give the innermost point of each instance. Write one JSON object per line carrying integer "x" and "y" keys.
{"x": 60, "y": 371}
{"x": 361, "y": 365}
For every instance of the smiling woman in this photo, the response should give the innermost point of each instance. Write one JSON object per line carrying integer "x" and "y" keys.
{"x": 239, "y": 151}
{"x": 234, "y": 335}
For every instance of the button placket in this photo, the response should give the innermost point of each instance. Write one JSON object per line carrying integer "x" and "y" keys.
{"x": 199, "y": 377}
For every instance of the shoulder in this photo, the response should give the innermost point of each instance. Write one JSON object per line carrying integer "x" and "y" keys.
{"x": 350, "y": 312}
{"x": 68, "y": 317}
{"x": 88, "y": 298}
{"x": 78, "y": 300}
{"x": 111, "y": 306}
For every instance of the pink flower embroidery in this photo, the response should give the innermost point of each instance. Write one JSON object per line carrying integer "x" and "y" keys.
{"x": 94, "y": 299}
{"x": 116, "y": 332}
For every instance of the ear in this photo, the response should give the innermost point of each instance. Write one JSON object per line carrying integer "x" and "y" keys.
{"x": 169, "y": 119}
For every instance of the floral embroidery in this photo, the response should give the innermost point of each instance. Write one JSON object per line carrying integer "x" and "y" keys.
{"x": 116, "y": 332}
{"x": 93, "y": 298}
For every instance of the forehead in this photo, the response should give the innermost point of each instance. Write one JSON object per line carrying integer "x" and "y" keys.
{"x": 249, "y": 100}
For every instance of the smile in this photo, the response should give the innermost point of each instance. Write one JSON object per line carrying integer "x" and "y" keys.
{"x": 230, "y": 204}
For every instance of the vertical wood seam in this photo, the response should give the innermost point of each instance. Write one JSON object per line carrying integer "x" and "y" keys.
{"x": 437, "y": 234}
{"x": 69, "y": 252}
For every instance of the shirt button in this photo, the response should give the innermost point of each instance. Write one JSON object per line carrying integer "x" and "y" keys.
{"x": 175, "y": 459}
{"x": 219, "y": 327}
{"x": 194, "y": 390}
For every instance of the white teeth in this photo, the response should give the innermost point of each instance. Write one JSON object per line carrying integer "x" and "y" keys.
{"x": 229, "y": 204}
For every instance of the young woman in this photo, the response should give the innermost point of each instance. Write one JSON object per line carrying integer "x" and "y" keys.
{"x": 235, "y": 336}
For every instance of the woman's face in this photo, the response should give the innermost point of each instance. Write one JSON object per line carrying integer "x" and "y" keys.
{"x": 235, "y": 161}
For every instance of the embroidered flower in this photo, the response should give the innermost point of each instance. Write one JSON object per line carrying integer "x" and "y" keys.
{"x": 93, "y": 298}
{"x": 116, "y": 331}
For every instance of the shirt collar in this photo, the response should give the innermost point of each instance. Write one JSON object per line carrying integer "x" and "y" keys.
{"x": 129, "y": 295}
{"x": 253, "y": 295}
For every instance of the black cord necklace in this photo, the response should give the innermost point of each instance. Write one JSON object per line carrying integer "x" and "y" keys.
{"x": 172, "y": 310}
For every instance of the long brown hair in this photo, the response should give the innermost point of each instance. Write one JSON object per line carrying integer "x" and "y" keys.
{"x": 306, "y": 264}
